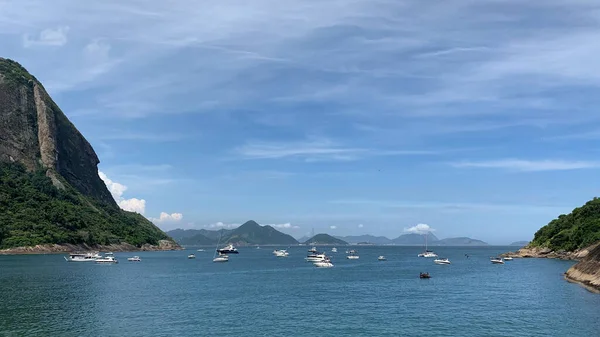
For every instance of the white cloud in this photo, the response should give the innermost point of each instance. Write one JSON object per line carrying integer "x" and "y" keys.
{"x": 333, "y": 227}
{"x": 285, "y": 226}
{"x": 360, "y": 226}
{"x": 219, "y": 225}
{"x": 48, "y": 37}
{"x": 117, "y": 190}
{"x": 166, "y": 217}
{"x": 419, "y": 229}
{"x": 529, "y": 165}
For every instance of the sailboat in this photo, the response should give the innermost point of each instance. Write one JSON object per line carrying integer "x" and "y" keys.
{"x": 427, "y": 253}
{"x": 222, "y": 257}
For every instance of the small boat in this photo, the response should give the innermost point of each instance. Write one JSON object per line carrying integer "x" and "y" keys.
{"x": 257, "y": 247}
{"x": 109, "y": 253}
{"x": 200, "y": 250}
{"x": 508, "y": 258}
{"x": 313, "y": 250}
{"x": 229, "y": 249}
{"x": 352, "y": 255}
{"x": 191, "y": 256}
{"x": 496, "y": 260}
{"x": 424, "y": 275}
{"x": 325, "y": 263}
{"x": 83, "y": 257}
{"x": 334, "y": 250}
{"x": 441, "y": 261}
{"x": 107, "y": 260}
{"x": 134, "y": 259}
{"x": 381, "y": 258}
{"x": 315, "y": 257}
{"x": 221, "y": 258}
{"x": 428, "y": 253}
{"x": 281, "y": 253}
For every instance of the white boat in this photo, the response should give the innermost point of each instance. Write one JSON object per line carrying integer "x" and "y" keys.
{"x": 381, "y": 258}
{"x": 281, "y": 253}
{"x": 200, "y": 250}
{"x": 83, "y": 257}
{"x": 315, "y": 257}
{"x": 221, "y": 258}
{"x": 508, "y": 258}
{"x": 427, "y": 253}
{"x": 352, "y": 255}
{"x": 441, "y": 261}
{"x": 334, "y": 250}
{"x": 313, "y": 250}
{"x": 497, "y": 260}
{"x": 107, "y": 260}
{"x": 191, "y": 256}
{"x": 109, "y": 253}
{"x": 134, "y": 259}
{"x": 326, "y": 263}
{"x": 229, "y": 249}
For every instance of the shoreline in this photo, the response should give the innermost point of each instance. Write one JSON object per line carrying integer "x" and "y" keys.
{"x": 163, "y": 245}
{"x": 585, "y": 284}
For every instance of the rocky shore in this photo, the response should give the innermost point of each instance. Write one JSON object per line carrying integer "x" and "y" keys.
{"x": 68, "y": 248}
{"x": 587, "y": 271}
{"x": 547, "y": 253}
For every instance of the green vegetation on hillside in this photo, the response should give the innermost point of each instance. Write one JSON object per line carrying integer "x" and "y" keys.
{"x": 325, "y": 239}
{"x": 15, "y": 74}
{"x": 578, "y": 229}
{"x": 33, "y": 211}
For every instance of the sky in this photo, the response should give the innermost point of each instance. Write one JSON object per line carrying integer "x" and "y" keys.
{"x": 477, "y": 118}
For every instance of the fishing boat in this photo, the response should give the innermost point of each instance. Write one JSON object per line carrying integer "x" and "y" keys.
{"x": 424, "y": 275}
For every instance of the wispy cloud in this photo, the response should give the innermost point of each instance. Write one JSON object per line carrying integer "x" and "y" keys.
{"x": 48, "y": 37}
{"x": 529, "y": 165}
{"x": 284, "y": 226}
{"x": 222, "y": 225}
{"x": 332, "y": 227}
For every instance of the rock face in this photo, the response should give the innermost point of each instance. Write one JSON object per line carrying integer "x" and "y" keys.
{"x": 36, "y": 133}
{"x": 544, "y": 252}
{"x": 587, "y": 271}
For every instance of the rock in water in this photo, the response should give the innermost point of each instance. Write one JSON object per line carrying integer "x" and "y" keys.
{"x": 50, "y": 191}
{"x": 587, "y": 271}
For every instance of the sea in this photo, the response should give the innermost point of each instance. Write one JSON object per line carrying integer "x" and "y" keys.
{"x": 258, "y": 294}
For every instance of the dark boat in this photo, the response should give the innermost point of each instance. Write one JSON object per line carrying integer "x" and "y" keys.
{"x": 230, "y": 249}
{"x": 425, "y": 275}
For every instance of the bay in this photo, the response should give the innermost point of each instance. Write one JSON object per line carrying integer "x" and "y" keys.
{"x": 258, "y": 294}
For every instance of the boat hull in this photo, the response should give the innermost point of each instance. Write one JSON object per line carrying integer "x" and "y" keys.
{"x": 226, "y": 251}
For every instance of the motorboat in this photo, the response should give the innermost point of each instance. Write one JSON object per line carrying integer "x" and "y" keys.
{"x": 316, "y": 257}
{"x": 352, "y": 255}
{"x": 109, "y": 253}
{"x": 428, "y": 253}
{"x": 200, "y": 250}
{"x": 424, "y": 275}
{"x": 221, "y": 258}
{"x": 191, "y": 256}
{"x": 497, "y": 260}
{"x": 107, "y": 260}
{"x": 326, "y": 263}
{"x": 229, "y": 249}
{"x": 134, "y": 259}
{"x": 381, "y": 258}
{"x": 508, "y": 258}
{"x": 441, "y": 261}
{"x": 83, "y": 257}
{"x": 334, "y": 250}
{"x": 281, "y": 253}
{"x": 313, "y": 250}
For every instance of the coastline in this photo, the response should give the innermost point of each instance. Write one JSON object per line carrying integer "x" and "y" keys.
{"x": 163, "y": 245}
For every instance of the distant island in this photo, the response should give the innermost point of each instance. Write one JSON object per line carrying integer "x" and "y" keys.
{"x": 325, "y": 239}
{"x": 51, "y": 196}
{"x": 520, "y": 243}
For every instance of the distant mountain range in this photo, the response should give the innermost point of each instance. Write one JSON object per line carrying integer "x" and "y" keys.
{"x": 377, "y": 240}
{"x": 413, "y": 239}
{"x": 520, "y": 243}
{"x": 325, "y": 239}
{"x": 250, "y": 233}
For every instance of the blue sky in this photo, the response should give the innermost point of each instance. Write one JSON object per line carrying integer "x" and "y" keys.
{"x": 349, "y": 117}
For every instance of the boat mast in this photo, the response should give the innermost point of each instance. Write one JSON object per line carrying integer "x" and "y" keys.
{"x": 217, "y": 248}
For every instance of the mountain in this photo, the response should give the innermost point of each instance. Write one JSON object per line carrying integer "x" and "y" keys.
{"x": 460, "y": 241}
{"x": 519, "y": 243}
{"x": 378, "y": 240}
{"x": 325, "y": 239}
{"x": 251, "y": 233}
{"x": 197, "y": 240}
{"x": 414, "y": 239}
{"x": 578, "y": 229}
{"x": 181, "y": 235}
{"x": 50, "y": 190}
{"x": 303, "y": 239}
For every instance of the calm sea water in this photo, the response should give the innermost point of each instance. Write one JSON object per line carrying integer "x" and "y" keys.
{"x": 258, "y": 294}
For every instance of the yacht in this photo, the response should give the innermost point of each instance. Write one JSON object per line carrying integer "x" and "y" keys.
{"x": 200, "y": 250}
{"x": 326, "y": 263}
{"x": 107, "y": 260}
{"x": 441, "y": 261}
{"x": 82, "y": 257}
{"x": 281, "y": 253}
{"x": 316, "y": 257}
{"x": 221, "y": 258}
{"x": 508, "y": 258}
{"x": 427, "y": 253}
{"x": 229, "y": 249}
{"x": 352, "y": 255}
{"x": 381, "y": 258}
{"x": 497, "y": 260}
{"x": 191, "y": 256}
{"x": 134, "y": 259}
{"x": 313, "y": 250}
{"x": 334, "y": 250}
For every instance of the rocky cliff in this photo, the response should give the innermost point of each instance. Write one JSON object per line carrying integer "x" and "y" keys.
{"x": 587, "y": 271}
{"x": 51, "y": 197}
{"x": 36, "y": 133}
